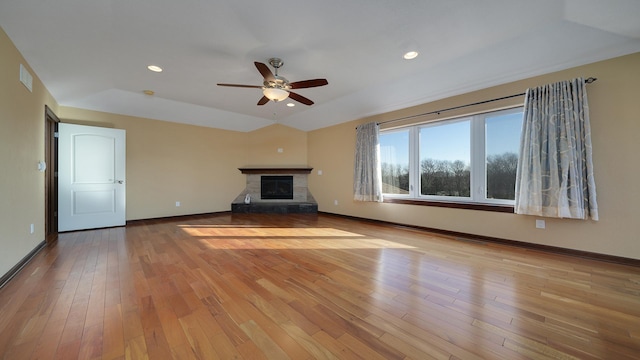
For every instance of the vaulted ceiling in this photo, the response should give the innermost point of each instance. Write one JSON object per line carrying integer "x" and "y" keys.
{"x": 94, "y": 54}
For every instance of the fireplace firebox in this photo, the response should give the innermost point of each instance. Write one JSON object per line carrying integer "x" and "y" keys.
{"x": 276, "y": 187}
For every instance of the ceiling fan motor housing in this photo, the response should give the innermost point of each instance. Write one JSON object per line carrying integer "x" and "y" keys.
{"x": 279, "y": 83}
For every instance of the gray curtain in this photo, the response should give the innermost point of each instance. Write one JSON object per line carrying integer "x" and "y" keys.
{"x": 367, "y": 178}
{"x": 555, "y": 168}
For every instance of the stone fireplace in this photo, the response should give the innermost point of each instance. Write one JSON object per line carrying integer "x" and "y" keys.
{"x": 275, "y": 190}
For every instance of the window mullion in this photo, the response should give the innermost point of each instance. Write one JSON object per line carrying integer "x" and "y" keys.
{"x": 414, "y": 161}
{"x": 478, "y": 174}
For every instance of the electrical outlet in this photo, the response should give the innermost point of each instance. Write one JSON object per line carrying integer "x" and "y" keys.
{"x": 319, "y": 172}
{"x": 32, "y": 229}
{"x": 177, "y": 203}
{"x": 540, "y": 224}
{"x": 280, "y": 150}
{"x": 335, "y": 202}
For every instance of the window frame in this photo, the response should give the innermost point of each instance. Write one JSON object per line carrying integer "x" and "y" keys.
{"x": 478, "y": 178}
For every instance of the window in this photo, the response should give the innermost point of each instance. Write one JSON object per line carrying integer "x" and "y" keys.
{"x": 471, "y": 159}
{"x": 445, "y": 159}
{"x": 394, "y": 161}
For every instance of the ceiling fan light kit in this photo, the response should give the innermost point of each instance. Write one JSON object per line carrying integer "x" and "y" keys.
{"x": 277, "y": 88}
{"x": 275, "y": 94}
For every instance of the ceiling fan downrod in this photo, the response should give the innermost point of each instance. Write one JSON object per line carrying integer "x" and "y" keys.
{"x": 276, "y": 63}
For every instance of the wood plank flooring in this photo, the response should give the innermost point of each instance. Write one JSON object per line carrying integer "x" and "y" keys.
{"x": 255, "y": 286}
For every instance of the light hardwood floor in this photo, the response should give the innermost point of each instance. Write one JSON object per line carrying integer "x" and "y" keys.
{"x": 311, "y": 287}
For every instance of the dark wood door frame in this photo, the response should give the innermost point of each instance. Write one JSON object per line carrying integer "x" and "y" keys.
{"x": 51, "y": 175}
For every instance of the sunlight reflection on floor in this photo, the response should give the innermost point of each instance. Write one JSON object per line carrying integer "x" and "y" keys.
{"x": 252, "y": 237}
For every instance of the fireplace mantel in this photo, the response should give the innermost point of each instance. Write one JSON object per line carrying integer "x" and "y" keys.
{"x": 273, "y": 170}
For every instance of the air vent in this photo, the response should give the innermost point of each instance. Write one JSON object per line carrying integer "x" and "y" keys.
{"x": 26, "y": 78}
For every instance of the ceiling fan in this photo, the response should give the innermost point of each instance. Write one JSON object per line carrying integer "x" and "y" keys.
{"x": 276, "y": 87}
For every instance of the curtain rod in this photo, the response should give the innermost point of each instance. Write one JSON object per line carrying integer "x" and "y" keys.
{"x": 586, "y": 81}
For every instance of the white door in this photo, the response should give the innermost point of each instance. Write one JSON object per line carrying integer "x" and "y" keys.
{"x": 91, "y": 177}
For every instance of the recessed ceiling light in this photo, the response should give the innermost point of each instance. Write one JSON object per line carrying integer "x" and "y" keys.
{"x": 291, "y": 104}
{"x": 409, "y": 55}
{"x": 154, "y": 68}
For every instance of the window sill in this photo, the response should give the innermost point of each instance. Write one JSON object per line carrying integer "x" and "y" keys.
{"x": 454, "y": 205}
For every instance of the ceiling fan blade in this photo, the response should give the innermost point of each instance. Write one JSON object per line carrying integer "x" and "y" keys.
{"x": 242, "y": 86}
{"x": 264, "y": 70}
{"x": 308, "y": 83}
{"x": 300, "y": 98}
{"x": 263, "y": 100}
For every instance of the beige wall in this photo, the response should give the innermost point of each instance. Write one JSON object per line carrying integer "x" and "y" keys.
{"x": 169, "y": 162}
{"x": 615, "y": 112}
{"x": 264, "y": 143}
{"x": 21, "y": 147}
{"x": 198, "y": 166}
